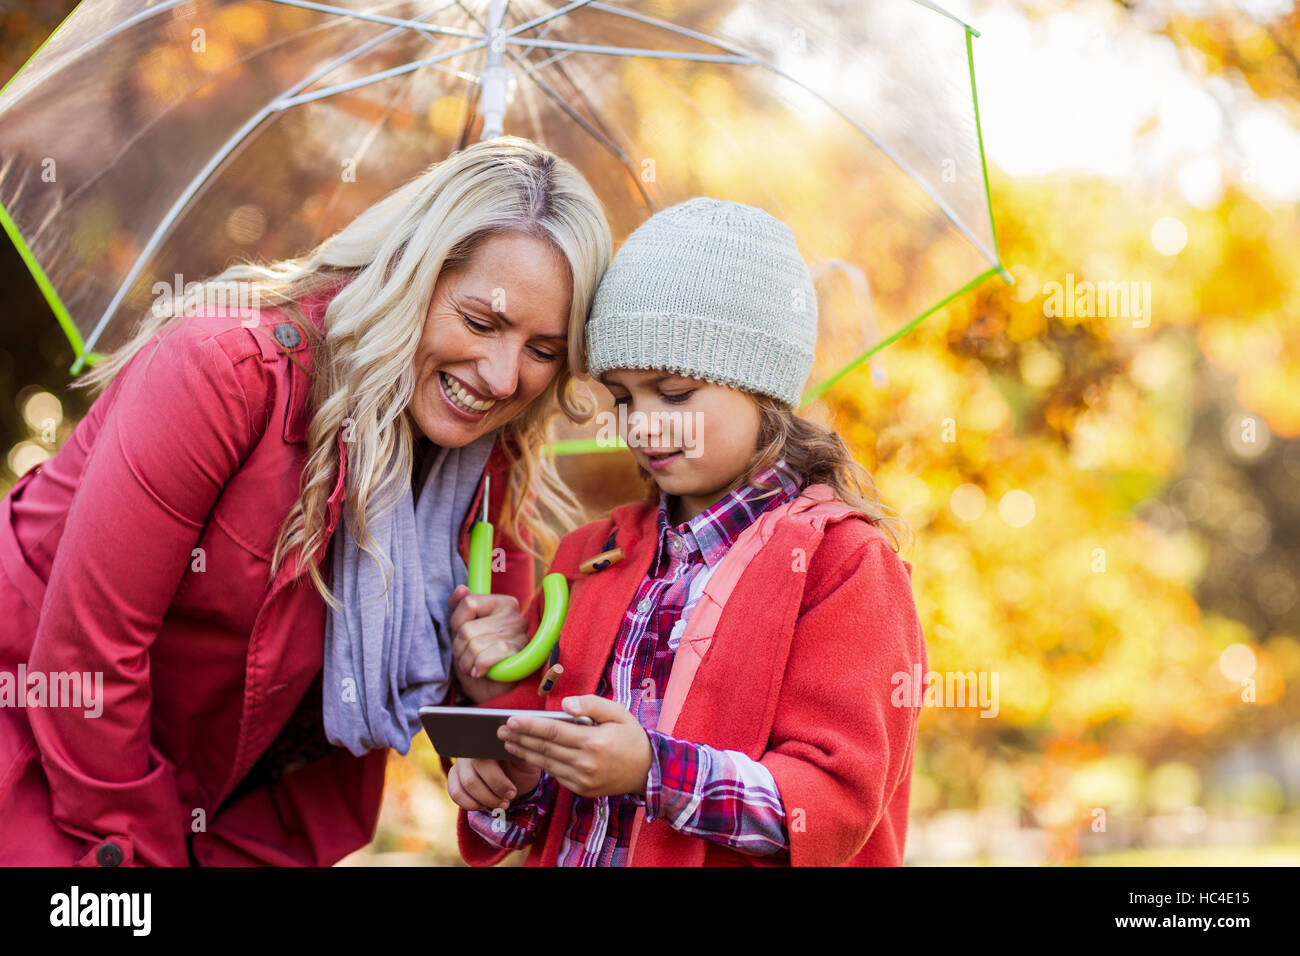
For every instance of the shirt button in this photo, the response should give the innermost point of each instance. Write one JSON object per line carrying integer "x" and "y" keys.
{"x": 109, "y": 854}
{"x": 677, "y": 545}
{"x": 645, "y": 605}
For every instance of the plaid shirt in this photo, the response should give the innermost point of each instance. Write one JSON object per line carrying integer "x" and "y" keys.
{"x": 719, "y": 795}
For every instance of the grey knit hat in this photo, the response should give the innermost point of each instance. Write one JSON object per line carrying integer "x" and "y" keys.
{"x": 712, "y": 289}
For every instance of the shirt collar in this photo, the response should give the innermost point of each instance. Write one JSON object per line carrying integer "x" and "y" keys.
{"x": 712, "y": 531}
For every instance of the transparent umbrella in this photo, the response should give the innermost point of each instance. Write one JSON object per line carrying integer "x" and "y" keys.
{"x": 150, "y": 142}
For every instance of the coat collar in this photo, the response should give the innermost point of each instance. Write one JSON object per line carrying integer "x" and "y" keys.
{"x": 633, "y": 521}
{"x": 301, "y": 361}
{"x": 298, "y": 413}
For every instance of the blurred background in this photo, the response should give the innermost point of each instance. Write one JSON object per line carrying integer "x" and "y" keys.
{"x": 1106, "y": 508}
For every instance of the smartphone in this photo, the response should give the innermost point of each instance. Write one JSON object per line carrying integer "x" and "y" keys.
{"x": 472, "y": 731}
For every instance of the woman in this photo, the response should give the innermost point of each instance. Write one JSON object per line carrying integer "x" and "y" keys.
{"x": 168, "y": 572}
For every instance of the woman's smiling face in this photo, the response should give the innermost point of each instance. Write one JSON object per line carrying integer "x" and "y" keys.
{"x": 495, "y": 335}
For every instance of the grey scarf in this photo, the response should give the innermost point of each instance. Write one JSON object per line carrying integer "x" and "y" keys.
{"x": 388, "y": 656}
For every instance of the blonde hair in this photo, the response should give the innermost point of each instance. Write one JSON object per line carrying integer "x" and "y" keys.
{"x": 390, "y": 258}
{"x": 816, "y": 455}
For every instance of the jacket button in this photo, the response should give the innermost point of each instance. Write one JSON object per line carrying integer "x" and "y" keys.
{"x": 110, "y": 854}
{"x": 287, "y": 334}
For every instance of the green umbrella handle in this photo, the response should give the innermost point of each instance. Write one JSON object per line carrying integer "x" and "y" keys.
{"x": 555, "y": 605}
{"x": 480, "y": 558}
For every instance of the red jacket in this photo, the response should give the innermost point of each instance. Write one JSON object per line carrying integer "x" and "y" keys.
{"x": 203, "y": 658}
{"x": 798, "y": 675}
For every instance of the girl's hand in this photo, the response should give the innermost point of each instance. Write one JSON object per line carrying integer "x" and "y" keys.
{"x": 489, "y": 785}
{"x": 485, "y": 628}
{"x": 609, "y": 759}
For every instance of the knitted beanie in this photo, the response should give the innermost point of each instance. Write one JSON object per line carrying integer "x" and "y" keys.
{"x": 711, "y": 289}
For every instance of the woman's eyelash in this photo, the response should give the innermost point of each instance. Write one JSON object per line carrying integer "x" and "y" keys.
{"x": 476, "y": 326}
{"x": 542, "y": 354}
{"x": 671, "y": 399}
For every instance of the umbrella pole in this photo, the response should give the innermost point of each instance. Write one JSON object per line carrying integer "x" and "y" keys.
{"x": 493, "y": 77}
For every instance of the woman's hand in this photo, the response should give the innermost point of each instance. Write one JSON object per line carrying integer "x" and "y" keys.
{"x": 611, "y": 758}
{"x": 485, "y": 628}
{"x": 475, "y": 784}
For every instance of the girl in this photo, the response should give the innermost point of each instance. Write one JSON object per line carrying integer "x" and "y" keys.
{"x": 738, "y": 659}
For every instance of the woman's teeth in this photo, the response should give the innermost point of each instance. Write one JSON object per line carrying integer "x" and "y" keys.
{"x": 461, "y": 397}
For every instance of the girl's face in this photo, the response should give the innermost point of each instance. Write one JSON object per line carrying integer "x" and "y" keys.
{"x": 494, "y": 337}
{"x": 695, "y": 438}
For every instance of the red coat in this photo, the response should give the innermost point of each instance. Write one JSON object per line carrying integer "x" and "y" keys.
{"x": 798, "y": 675}
{"x": 203, "y": 658}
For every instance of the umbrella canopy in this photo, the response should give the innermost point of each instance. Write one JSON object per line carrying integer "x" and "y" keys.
{"x": 149, "y": 142}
